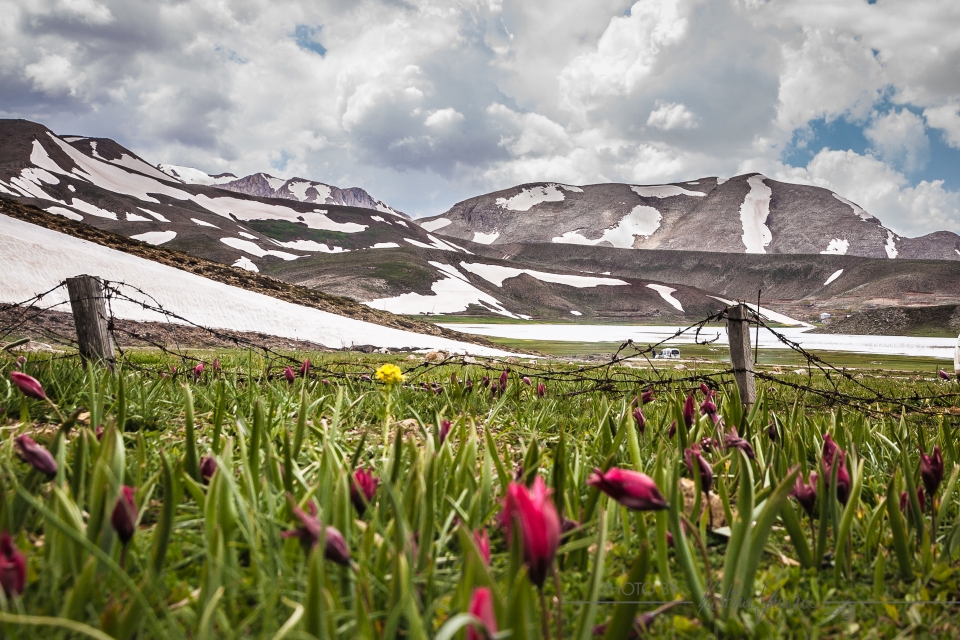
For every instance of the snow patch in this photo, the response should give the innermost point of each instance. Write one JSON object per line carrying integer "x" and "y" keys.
{"x": 254, "y": 210}
{"x": 834, "y": 276}
{"x": 720, "y": 181}
{"x": 386, "y": 245}
{"x": 891, "y": 246}
{"x": 485, "y": 238}
{"x": 753, "y": 216}
{"x": 837, "y": 247}
{"x": 667, "y": 294}
{"x": 451, "y": 295}
{"x": 155, "y": 237}
{"x": 86, "y": 207}
{"x": 299, "y": 189}
{"x": 253, "y": 249}
{"x": 311, "y": 245}
{"x": 248, "y": 236}
{"x": 378, "y": 219}
{"x": 34, "y": 259}
{"x": 770, "y": 315}
{"x": 190, "y": 175}
{"x": 665, "y": 191}
{"x": 275, "y": 183}
{"x": 437, "y": 223}
{"x": 575, "y": 313}
{"x": 202, "y": 223}
{"x": 246, "y": 263}
{"x": 642, "y": 221}
{"x": 159, "y": 216}
{"x": 132, "y": 217}
{"x": 137, "y": 165}
{"x": 532, "y": 196}
{"x": 856, "y": 208}
{"x": 496, "y": 274}
{"x": 66, "y": 213}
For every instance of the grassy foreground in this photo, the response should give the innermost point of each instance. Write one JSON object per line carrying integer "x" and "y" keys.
{"x": 223, "y": 465}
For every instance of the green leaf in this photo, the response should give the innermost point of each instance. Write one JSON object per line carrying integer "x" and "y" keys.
{"x": 900, "y": 546}
{"x": 621, "y": 622}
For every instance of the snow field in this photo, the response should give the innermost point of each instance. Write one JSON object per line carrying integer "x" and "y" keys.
{"x": 667, "y": 294}
{"x": 641, "y": 221}
{"x": 753, "y": 216}
{"x": 833, "y": 276}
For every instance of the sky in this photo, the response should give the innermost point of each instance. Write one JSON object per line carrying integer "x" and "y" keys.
{"x": 425, "y": 104}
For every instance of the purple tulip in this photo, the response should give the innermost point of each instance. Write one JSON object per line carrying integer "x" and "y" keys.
{"x": 905, "y": 500}
{"x": 208, "y": 466}
{"x": 335, "y": 548}
{"x": 944, "y": 375}
{"x": 539, "y": 526}
{"x": 503, "y": 379}
{"x": 36, "y": 456}
{"x": 13, "y": 567}
{"x": 28, "y": 385}
{"x": 632, "y": 489}
{"x": 21, "y": 360}
{"x": 305, "y": 368}
{"x": 362, "y": 489}
{"x": 640, "y": 420}
{"x": 733, "y": 441}
{"x": 216, "y": 365}
{"x": 834, "y": 454}
{"x": 124, "y": 516}
{"x": 541, "y": 389}
{"x": 689, "y": 412}
{"x": 483, "y": 544}
{"x": 806, "y": 494}
{"x": 444, "y": 430}
{"x": 481, "y": 607}
{"x": 526, "y": 380}
{"x": 289, "y": 375}
{"x": 693, "y": 455}
{"x": 197, "y": 372}
{"x": 672, "y": 431}
{"x": 931, "y": 471}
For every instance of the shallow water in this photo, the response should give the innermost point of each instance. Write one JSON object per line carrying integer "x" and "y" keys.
{"x": 880, "y": 345}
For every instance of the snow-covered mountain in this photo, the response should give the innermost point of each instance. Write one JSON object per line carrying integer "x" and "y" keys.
{"x": 745, "y": 214}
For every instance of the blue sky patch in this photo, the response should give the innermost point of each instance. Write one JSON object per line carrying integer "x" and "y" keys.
{"x": 306, "y": 37}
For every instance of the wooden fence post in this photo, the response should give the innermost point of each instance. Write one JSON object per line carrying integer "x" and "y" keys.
{"x": 738, "y": 335}
{"x": 90, "y": 318}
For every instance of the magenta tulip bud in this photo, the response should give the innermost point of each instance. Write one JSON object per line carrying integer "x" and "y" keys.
{"x": 124, "y": 516}
{"x": 362, "y": 490}
{"x": 28, "y": 385}
{"x": 632, "y": 489}
{"x": 444, "y": 430}
{"x": 305, "y": 368}
{"x": 733, "y": 441}
{"x": 931, "y": 471}
{"x": 197, "y": 372}
{"x": 325, "y": 382}
{"x": 98, "y": 432}
{"x": 481, "y": 607}
{"x": 944, "y": 375}
{"x": 335, "y": 547}
{"x": 693, "y": 455}
{"x": 539, "y": 526}
{"x": 173, "y": 370}
{"x": 541, "y": 389}
{"x": 36, "y": 456}
{"x": 772, "y": 432}
{"x": 707, "y": 391}
{"x": 829, "y": 450}
{"x": 672, "y": 431}
{"x": 216, "y": 365}
{"x": 503, "y": 379}
{"x": 526, "y": 380}
{"x": 806, "y": 494}
{"x": 21, "y": 360}
{"x": 689, "y": 412}
{"x": 905, "y": 500}
{"x": 640, "y": 420}
{"x": 13, "y": 567}
{"x": 208, "y": 466}
{"x": 289, "y": 375}
{"x": 483, "y": 544}
{"x": 647, "y": 396}
{"x": 834, "y": 454}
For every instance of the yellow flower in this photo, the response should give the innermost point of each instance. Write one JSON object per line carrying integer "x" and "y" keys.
{"x": 390, "y": 374}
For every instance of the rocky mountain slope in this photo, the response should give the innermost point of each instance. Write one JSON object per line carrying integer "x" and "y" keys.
{"x": 745, "y": 214}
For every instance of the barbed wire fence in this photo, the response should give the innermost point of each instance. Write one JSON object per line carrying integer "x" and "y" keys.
{"x": 615, "y": 375}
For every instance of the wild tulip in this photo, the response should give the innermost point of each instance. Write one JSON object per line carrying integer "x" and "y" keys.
{"x": 693, "y": 455}
{"x": 335, "y": 546}
{"x": 503, "y": 379}
{"x": 289, "y": 375}
{"x": 733, "y": 441}
{"x": 944, "y": 375}
{"x": 98, "y": 432}
{"x": 325, "y": 382}
{"x": 709, "y": 409}
{"x": 124, "y": 516}
{"x": 806, "y": 494}
{"x": 829, "y": 450}
{"x": 526, "y": 380}
{"x": 689, "y": 412}
{"x": 708, "y": 444}
{"x": 362, "y": 489}
{"x": 481, "y": 607}
{"x": 485, "y": 381}
{"x": 632, "y": 489}
{"x": 640, "y": 420}
{"x": 905, "y": 500}
{"x": 197, "y": 372}
{"x": 208, "y": 466}
{"x": 28, "y": 385}
{"x": 541, "y": 389}
{"x": 672, "y": 431}
{"x": 36, "y": 456}
{"x": 483, "y": 544}
{"x": 21, "y": 360}
{"x": 707, "y": 391}
{"x": 931, "y": 471}
{"x": 444, "y": 430}
{"x": 567, "y": 525}
{"x": 646, "y": 397}
{"x": 772, "y": 432}
{"x": 305, "y": 368}
{"x": 13, "y": 567}
{"x": 843, "y": 476}
{"x": 539, "y": 525}
{"x": 216, "y": 365}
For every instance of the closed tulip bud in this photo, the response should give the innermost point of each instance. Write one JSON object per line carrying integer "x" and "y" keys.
{"x": 216, "y": 365}
{"x": 335, "y": 547}
{"x": 309, "y": 530}
{"x": 693, "y": 456}
{"x": 483, "y": 544}
{"x": 567, "y": 525}
{"x": 481, "y": 607}
{"x": 36, "y": 456}
{"x": 173, "y": 370}
{"x": 830, "y": 455}
{"x": 362, "y": 489}
{"x": 632, "y": 489}
{"x": 806, "y": 494}
{"x": 707, "y": 391}
{"x": 539, "y": 525}
{"x": 13, "y": 567}
{"x": 503, "y": 379}
{"x": 485, "y": 381}
{"x": 28, "y": 385}
{"x": 444, "y": 430}
{"x": 640, "y": 420}
{"x": 931, "y": 471}
{"x": 647, "y": 396}
{"x": 905, "y": 500}
{"x": 289, "y": 375}
{"x": 208, "y": 466}
{"x": 944, "y": 375}
{"x": 672, "y": 431}
{"x": 124, "y": 516}
{"x": 733, "y": 441}
{"x": 305, "y": 368}
{"x": 98, "y": 432}
{"x": 689, "y": 412}
{"x": 325, "y": 382}
{"x": 829, "y": 450}
{"x": 772, "y": 432}
{"x": 197, "y": 372}
{"x": 21, "y": 360}
{"x": 526, "y": 380}
{"x": 541, "y": 389}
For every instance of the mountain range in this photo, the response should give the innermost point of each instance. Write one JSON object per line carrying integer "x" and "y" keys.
{"x": 664, "y": 253}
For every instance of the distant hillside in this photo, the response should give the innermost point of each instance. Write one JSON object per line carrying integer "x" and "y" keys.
{"x": 745, "y": 214}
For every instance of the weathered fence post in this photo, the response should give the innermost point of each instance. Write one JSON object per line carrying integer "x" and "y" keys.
{"x": 90, "y": 318}
{"x": 738, "y": 335}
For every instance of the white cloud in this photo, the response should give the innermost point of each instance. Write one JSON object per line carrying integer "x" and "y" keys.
{"x": 947, "y": 119}
{"x": 899, "y": 138}
{"x": 668, "y": 116}
{"x": 54, "y": 74}
{"x": 443, "y": 117}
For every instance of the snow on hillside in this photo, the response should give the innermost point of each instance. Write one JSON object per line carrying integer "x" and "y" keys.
{"x": 532, "y": 196}
{"x": 34, "y": 259}
{"x": 753, "y": 216}
{"x": 642, "y": 221}
{"x": 190, "y": 175}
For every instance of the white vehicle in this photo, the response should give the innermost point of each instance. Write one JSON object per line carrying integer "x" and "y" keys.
{"x": 669, "y": 352}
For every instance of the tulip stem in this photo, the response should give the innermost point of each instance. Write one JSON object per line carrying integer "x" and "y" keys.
{"x": 57, "y": 409}
{"x": 544, "y": 614}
